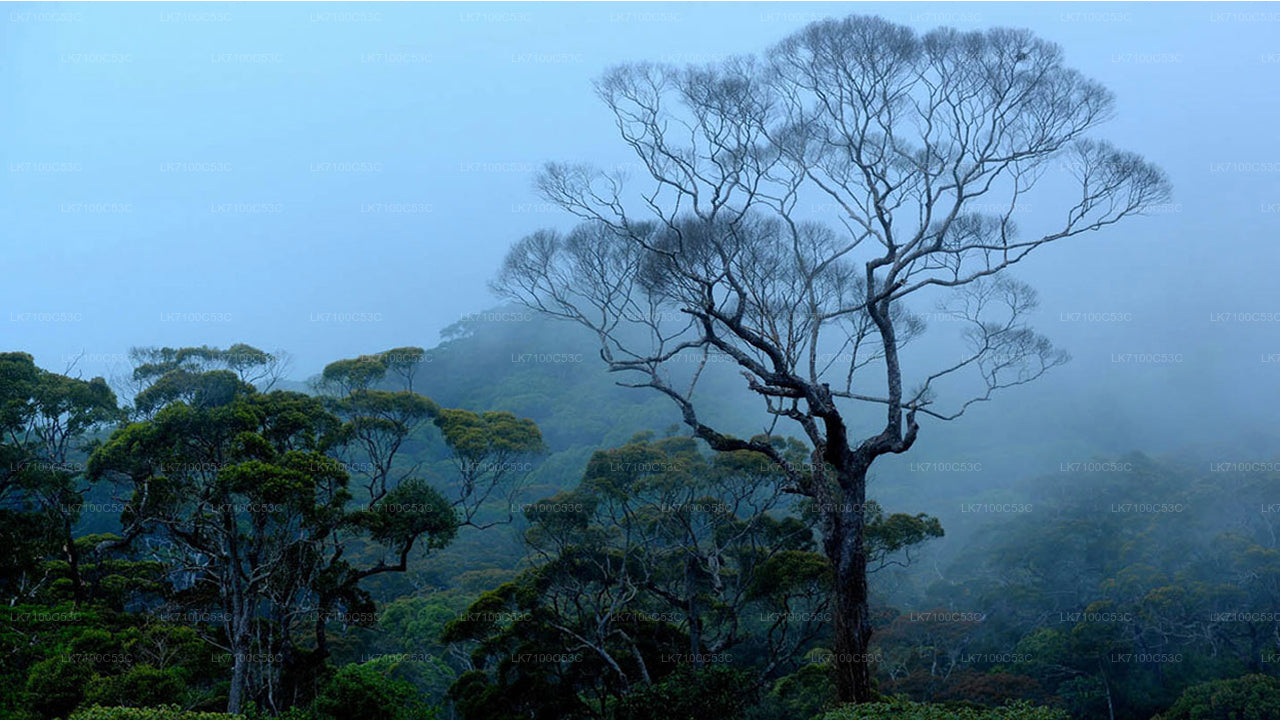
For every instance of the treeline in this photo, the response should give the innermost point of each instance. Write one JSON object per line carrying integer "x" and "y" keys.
{"x": 1118, "y": 588}
{"x": 249, "y": 521}
{"x": 218, "y": 544}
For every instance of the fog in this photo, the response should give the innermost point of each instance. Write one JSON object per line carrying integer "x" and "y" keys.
{"x": 327, "y": 180}
{"x": 267, "y": 166}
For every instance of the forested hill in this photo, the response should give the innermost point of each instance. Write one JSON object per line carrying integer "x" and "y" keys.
{"x": 550, "y": 371}
{"x": 510, "y": 358}
{"x": 1119, "y": 583}
{"x": 544, "y": 369}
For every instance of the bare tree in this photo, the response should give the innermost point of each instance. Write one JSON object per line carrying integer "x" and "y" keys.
{"x": 927, "y": 145}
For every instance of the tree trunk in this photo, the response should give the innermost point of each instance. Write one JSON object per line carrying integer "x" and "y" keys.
{"x": 321, "y": 629}
{"x": 239, "y": 604}
{"x": 239, "y": 674}
{"x": 73, "y": 561}
{"x": 1106, "y": 684}
{"x": 845, "y": 548}
{"x": 691, "y": 610}
{"x": 240, "y": 641}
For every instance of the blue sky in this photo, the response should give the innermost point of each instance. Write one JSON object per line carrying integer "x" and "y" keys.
{"x": 214, "y": 173}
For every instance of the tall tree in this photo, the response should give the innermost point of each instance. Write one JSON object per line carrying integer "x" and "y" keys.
{"x": 928, "y": 145}
{"x": 161, "y": 374}
{"x": 234, "y": 492}
{"x": 488, "y": 450}
{"x": 240, "y": 493}
{"x": 662, "y": 560}
{"x": 248, "y": 495}
{"x": 666, "y": 563}
{"x": 46, "y": 420}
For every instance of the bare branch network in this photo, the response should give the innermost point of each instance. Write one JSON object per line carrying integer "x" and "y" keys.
{"x": 926, "y": 143}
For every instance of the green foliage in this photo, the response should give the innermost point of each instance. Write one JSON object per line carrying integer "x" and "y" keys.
{"x": 710, "y": 693}
{"x": 665, "y": 555}
{"x": 492, "y": 435}
{"x": 802, "y": 694}
{"x": 202, "y": 390}
{"x": 27, "y": 537}
{"x": 199, "y": 375}
{"x": 170, "y": 712}
{"x": 18, "y": 379}
{"x": 91, "y": 654}
{"x": 139, "y": 686}
{"x": 1251, "y": 697}
{"x": 238, "y": 485}
{"x": 56, "y": 685}
{"x": 410, "y": 510}
{"x": 405, "y": 644}
{"x": 252, "y": 492}
{"x": 1118, "y": 593}
{"x": 358, "y": 691}
{"x": 577, "y": 405}
{"x": 659, "y": 539}
{"x": 46, "y": 420}
{"x": 924, "y": 711}
{"x": 897, "y": 532}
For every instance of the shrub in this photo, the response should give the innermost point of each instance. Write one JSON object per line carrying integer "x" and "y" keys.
{"x": 927, "y": 711}
{"x": 56, "y": 686}
{"x": 1251, "y": 697}
{"x": 140, "y": 686}
{"x": 170, "y": 712}
{"x": 711, "y": 693}
{"x": 362, "y": 692}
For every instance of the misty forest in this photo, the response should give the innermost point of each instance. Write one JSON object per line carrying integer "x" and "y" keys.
{"x": 639, "y": 362}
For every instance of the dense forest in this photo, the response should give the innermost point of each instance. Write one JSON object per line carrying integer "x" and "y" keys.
{"x": 430, "y": 533}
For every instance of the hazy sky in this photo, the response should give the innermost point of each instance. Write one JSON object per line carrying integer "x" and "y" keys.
{"x": 334, "y": 179}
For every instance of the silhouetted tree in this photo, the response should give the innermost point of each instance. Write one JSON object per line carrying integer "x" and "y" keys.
{"x": 927, "y": 144}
